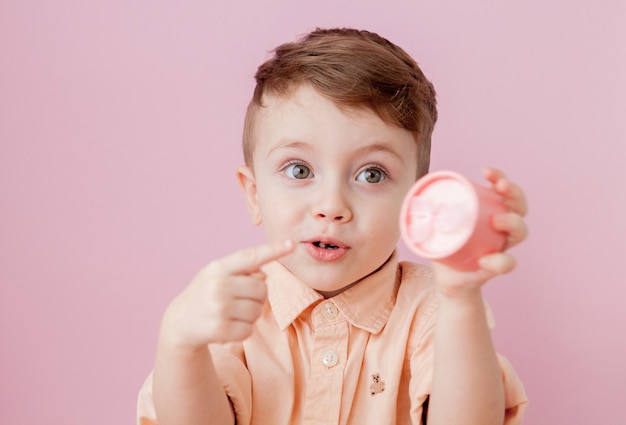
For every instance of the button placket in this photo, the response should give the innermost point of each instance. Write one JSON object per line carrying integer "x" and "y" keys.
{"x": 325, "y": 383}
{"x": 329, "y": 310}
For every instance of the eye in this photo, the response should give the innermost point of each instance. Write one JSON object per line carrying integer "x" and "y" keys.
{"x": 297, "y": 171}
{"x": 371, "y": 175}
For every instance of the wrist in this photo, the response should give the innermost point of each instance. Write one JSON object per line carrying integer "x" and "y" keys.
{"x": 460, "y": 295}
{"x": 175, "y": 335}
{"x": 462, "y": 304}
{"x": 177, "y": 346}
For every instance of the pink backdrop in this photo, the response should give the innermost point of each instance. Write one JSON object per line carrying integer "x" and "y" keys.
{"x": 119, "y": 135}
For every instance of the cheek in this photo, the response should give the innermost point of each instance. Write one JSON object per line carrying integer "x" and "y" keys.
{"x": 392, "y": 230}
{"x": 277, "y": 208}
{"x": 387, "y": 221}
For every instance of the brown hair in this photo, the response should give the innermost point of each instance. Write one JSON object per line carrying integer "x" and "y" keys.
{"x": 355, "y": 69}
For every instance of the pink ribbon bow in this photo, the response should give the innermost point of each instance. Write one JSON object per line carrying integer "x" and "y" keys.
{"x": 427, "y": 217}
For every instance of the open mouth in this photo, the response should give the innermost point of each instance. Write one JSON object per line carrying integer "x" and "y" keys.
{"x": 326, "y": 249}
{"x": 325, "y": 245}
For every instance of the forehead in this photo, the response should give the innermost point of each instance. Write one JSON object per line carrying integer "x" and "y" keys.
{"x": 305, "y": 114}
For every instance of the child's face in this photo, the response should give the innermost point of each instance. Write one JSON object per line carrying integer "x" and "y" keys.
{"x": 332, "y": 182}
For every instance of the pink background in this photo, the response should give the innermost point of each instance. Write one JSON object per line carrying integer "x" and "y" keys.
{"x": 120, "y": 127}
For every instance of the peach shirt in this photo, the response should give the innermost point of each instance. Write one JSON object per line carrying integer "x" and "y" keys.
{"x": 362, "y": 357}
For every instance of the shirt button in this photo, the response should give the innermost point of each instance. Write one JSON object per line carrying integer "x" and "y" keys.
{"x": 329, "y": 359}
{"x": 329, "y": 310}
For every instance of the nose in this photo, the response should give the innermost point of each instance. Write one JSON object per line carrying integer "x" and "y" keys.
{"x": 332, "y": 205}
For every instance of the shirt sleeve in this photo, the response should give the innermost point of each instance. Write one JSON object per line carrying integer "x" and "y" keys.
{"x": 145, "y": 405}
{"x": 235, "y": 379}
{"x": 515, "y": 399}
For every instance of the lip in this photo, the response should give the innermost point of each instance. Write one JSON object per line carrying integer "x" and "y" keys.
{"x": 318, "y": 253}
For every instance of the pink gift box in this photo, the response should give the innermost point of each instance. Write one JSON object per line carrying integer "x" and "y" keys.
{"x": 447, "y": 218}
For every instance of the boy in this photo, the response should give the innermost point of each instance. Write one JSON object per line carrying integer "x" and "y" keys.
{"x": 323, "y": 325}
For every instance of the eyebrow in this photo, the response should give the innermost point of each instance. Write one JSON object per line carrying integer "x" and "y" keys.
{"x": 380, "y": 148}
{"x": 290, "y": 145}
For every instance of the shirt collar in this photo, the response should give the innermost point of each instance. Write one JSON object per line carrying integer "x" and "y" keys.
{"x": 366, "y": 305}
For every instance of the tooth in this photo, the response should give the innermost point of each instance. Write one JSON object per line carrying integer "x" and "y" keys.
{"x": 322, "y": 245}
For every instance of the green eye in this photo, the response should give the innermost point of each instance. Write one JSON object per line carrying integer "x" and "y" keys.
{"x": 298, "y": 171}
{"x": 371, "y": 175}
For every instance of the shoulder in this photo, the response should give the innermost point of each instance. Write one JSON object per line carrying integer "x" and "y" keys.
{"x": 411, "y": 270}
{"x": 416, "y": 281}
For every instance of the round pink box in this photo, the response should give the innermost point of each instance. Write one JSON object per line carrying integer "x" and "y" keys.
{"x": 447, "y": 218}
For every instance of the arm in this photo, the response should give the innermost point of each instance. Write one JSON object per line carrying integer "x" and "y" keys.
{"x": 221, "y": 304}
{"x": 186, "y": 388}
{"x": 467, "y": 382}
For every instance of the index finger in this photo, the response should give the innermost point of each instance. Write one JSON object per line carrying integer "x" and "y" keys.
{"x": 249, "y": 260}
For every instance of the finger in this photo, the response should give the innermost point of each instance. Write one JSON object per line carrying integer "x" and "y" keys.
{"x": 512, "y": 194}
{"x": 514, "y": 225}
{"x": 498, "y": 263}
{"x": 245, "y": 310}
{"x": 236, "y": 330}
{"x": 246, "y": 287}
{"x": 250, "y": 260}
{"x": 258, "y": 275}
{"x": 493, "y": 174}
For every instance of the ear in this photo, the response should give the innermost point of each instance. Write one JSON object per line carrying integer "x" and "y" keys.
{"x": 248, "y": 184}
